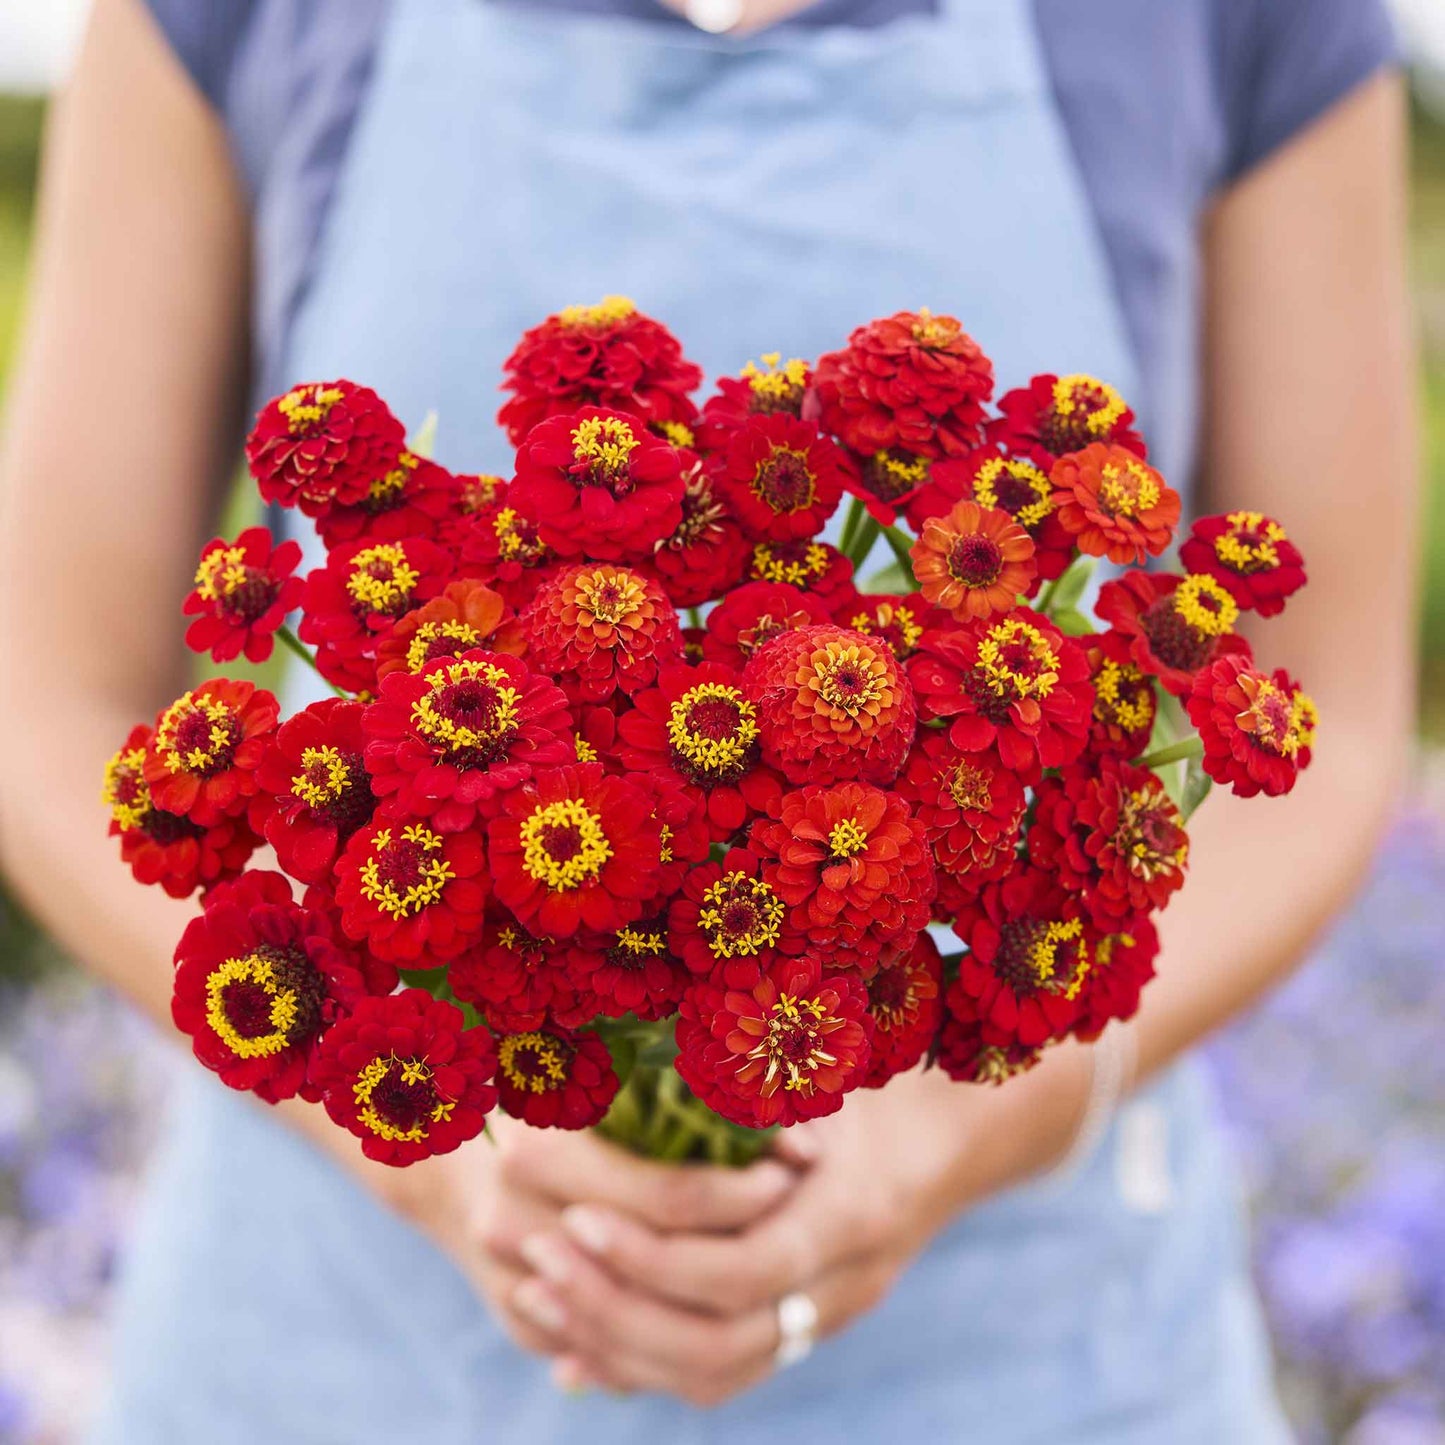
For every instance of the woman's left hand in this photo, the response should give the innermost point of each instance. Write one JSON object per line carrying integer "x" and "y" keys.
{"x": 696, "y": 1315}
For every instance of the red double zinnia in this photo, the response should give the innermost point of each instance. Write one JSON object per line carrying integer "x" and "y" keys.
{"x": 323, "y": 444}
{"x": 415, "y": 498}
{"x": 707, "y": 552}
{"x": 406, "y": 1077}
{"x": 517, "y": 979}
{"x": 727, "y": 921}
{"x": 1113, "y": 504}
{"x": 1257, "y": 728}
{"x": 554, "y": 1078}
{"x": 1251, "y": 555}
{"x": 446, "y": 743}
{"x": 754, "y": 614}
{"x": 781, "y": 476}
{"x": 773, "y": 388}
{"x": 1055, "y": 415}
{"x": 243, "y": 591}
{"x": 905, "y": 1000}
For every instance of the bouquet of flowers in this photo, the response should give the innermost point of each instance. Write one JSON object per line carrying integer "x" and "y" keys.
{"x": 636, "y": 801}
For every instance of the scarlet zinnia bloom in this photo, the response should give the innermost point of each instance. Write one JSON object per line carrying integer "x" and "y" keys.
{"x": 504, "y": 547}
{"x": 202, "y": 761}
{"x": 406, "y": 1077}
{"x": 258, "y": 981}
{"x": 168, "y": 848}
{"x": 817, "y": 568}
{"x": 853, "y": 868}
{"x": 698, "y": 727}
{"x": 1010, "y": 484}
{"x": 516, "y": 979}
{"x": 774, "y": 388}
{"x": 1113, "y": 504}
{"x": 243, "y": 592}
{"x": 966, "y": 1056}
{"x": 905, "y": 999}
{"x": 786, "y": 1049}
{"x": 754, "y": 614}
{"x": 445, "y": 744}
{"x": 781, "y": 476}
{"x": 601, "y": 629}
{"x": 1174, "y": 626}
{"x": 575, "y": 848}
{"x": 913, "y": 381}
{"x": 1125, "y": 703}
{"x": 1251, "y": 555}
{"x": 1123, "y": 964}
{"x": 553, "y": 1078}
{"x": 407, "y": 891}
{"x": 1055, "y": 415}
{"x": 889, "y": 482}
{"x": 598, "y": 483}
{"x": 604, "y": 355}
{"x": 323, "y": 444}
{"x": 1113, "y": 835}
{"x": 1014, "y": 682}
{"x": 467, "y": 614}
{"x": 727, "y": 921}
{"x": 632, "y": 971}
{"x": 416, "y": 498}
{"x": 314, "y": 791}
{"x": 1029, "y": 953}
{"x": 1257, "y": 728}
{"x": 973, "y": 562}
{"x": 354, "y": 600}
{"x": 707, "y": 552}
{"x": 832, "y": 704}
{"x": 970, "y": 806}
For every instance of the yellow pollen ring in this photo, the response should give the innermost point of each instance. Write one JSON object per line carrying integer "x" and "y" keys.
{"x": 219, "y": 737}
{"x": 413, "y": 1071}
{"x": 776, "y": 380}
{"x": 847, "y": 838}
{"x": 418, "y": 652}
{"x": 592, "y": 848}
{"x": 790, "y": 1017}
{"x": 1128, "y": 490}
{"x": 306, "y": 406}
{"x": 124, "y": 771}
{"x": 850, "y": 678}
{"x": 605, "y": 442}
{"x": 994, "y": 667}
{"x": 433, "y": 873}
{"x": 706, "y": 753}
{"x": 1043, "y": 955}
{"x": 608, "y": 312}
{"x": 390, "y": 485}
{"x": 389, "y": 586}
{"x": 985, "y": 488}
{"x": 1130, "y": 711}
{"x": 1083, "y": 393}
{"x": 767, "y": 910}
{"x": 768, "y": 567}
{"x": 1260, "y": 553}
{"x": 1191, "y": 601}
{"x": 641, "y": 945}
{"x": 222, "y": 571}
{"x": 609, "y": 595}
{"x": 551, "y": 1071}
{"x": 451, "y": 735}
{"x": 323, "y": 778}
{"x": 257, "y": 970}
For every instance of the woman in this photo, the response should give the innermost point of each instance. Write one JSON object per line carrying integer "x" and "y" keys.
{"x": 1199, "y": 202}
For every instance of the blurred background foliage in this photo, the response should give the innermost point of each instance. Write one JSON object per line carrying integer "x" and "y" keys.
{"x": 1335, "y": 1089}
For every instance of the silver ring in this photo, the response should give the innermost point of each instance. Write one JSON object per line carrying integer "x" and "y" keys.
{"x": 797, "y": 1329}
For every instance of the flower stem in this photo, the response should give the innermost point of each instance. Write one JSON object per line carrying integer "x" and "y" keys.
{"x": 902, "y": 546}
{"x": 850, "y": 525}
{"x": 1190, "y": 747}
{"x": 297, "y": 648}
{"x": 861, "y": 542}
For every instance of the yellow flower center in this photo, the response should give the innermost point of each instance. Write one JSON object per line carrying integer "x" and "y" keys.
{"x": 1122, "y": 696}
{"x": 1280, "y": 722}
{"x": 534, "y": 1062}
{"x": 124, "y": 790}
{"x": 795, "y": 1044}
{"x": 776, "y": 382}
{"x": 608, "y": 312}
{"x": 711, "y": 727}
{"x": 1017, "y": 487}
{"x": 969, "y": 788}
{"x": 422, "y": 648}
{"x": 323, "y": 778}
{"x": 381, "y": 579}
{"x": 1015, "y": 659}
{"x": 222, "y": 572}
{"x": 610, "y": 595}
{"x": 1043, "y": 955}
{"x": 196, "y": 735}
{"x": 1251, "y": 544}
{"x": 405, "y": 872}
{"x": 306, "y": 407}
{"x": 1128, "y": 489}
{"x": 470, "y": 706}
{"x": 934, "y": 331}
{"x": 397, "y": 1100}
{"x": 1205, "y": 605}
{"x": 586, "y": 753}
{"x": 256, "y": 973}
{"x": 770, "y": 565}
{"x": 850, "y": 678}
{"x": 564, "y": 845}
{"x": 894, "y": 623}
{"x": 676, "y": 434}
{"x": 640, "y": 945}
{"x": 387, "y": 488}
{"x": 847, "y": 838}
{"x": 1101, "y": 406}
{"x": 602, "y": 445}
{"x": 741, "y": 916}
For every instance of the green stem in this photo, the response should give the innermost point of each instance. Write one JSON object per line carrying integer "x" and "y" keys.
{"x": 294, "y": 645}
{"x": 850, "y": 525}
{"x": 1190, "y": 747}
{"x": 694, "y": 617}
{"x": 1044, "y": 597}
{"x": 902, "y": 546}
{"x": 863, "y": 540}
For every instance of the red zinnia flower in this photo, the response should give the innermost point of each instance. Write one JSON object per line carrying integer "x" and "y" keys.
{"x": 553, "y": 1078}
{"x": 1113, "y": 835}
{"x": 323, "y": 444}
{"x": 168, "y": 848}
{"x": 1016, "y": 682}
{"x": 1123, "y": 964}
{"x": 601, "y": 629}
{"x": 1125, "y": 703}
{"x": 784, "y": 1050}
{"x": 698, "y": 728}
{"x": 632, "y": 971}
{"x": 707, "y": 552}
{"x": 900, "y": 621}
{"x": 406, "y": 1077}
{"x": 444, "y": 744}
{"x": 913, "y": 381}
{"x": 1055, "y": 415}
{"x": 604, "y": 355}
{"x": 466, "y": 614}
{"x": 351, "y": 602}
{"x": 831, "y": 704}
{"x": 1251, "y": 555}
{"x": 973, "y": 562}
{"x": 1113, "y": 504}
{"x": 781, "y": 476}
{"x": 1174, "y": 626}
{"x": 1029, "y": 954}
{"x": 416, "y": 498}
{"x": 408, "y": 892}
{"x": 853, "y": 868}
{"x": 243, "y": 592}
{"x": 314, "y": 791}
{"x": 1257, "y": 728}
{"x": 964, "y": 1054}
{"x": 575, "y": 848}
{"x": 727, "y": 920}
{"x": 599, "y": 484}
{"x": 202, "y": 761}
{"x": 258, "y": 981}
{"x": 889, "y": 482}
{"x": 754, "y": 614}
{"x": 905, "y": 998}
{"x": 817, "y": 568}
{"x": 517, "y": 980}
{"x": 777, "y": 387}
{"x": 971, "y": 807}
{"x": 504, "y": 547}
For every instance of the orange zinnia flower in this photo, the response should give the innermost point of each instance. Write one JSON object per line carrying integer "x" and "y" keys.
{"x": 973, "y": 562}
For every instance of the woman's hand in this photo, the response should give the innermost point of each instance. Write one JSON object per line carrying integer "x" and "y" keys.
{"x": 694, "y": 1314}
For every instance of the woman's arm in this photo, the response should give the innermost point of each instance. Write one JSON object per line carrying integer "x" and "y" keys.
{"x": 1309, "y": 419}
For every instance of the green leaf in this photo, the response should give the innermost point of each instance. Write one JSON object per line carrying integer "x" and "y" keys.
{"x": 433, "y": 980}
{"x": 1072, "y": 623}
{"x": 891, "y": 578}
{"x": 1197, "y": 784}
{"x": 424, "y": 440}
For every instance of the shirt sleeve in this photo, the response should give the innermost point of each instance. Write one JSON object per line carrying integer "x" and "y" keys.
{"x": 204, "y": 34}
{"x": 1286, "y": 62}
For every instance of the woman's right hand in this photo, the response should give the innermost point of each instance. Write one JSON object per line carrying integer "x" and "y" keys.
{"x": 484, "y": 1202}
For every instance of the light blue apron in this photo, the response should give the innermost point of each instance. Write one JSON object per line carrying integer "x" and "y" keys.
{"x": 758, "y": 195}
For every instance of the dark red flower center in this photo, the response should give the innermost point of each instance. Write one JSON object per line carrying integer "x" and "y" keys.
{"x": 1072, "y": 425}
{"x": 702, "y": 515}
{"x": 469, "y": 714}
{"x": 785, "y": 481}
{"x": 1173, "y": 640}
{"x": 975, "y": 560}
{"x": 335, "y": 788}
{"x": 535, "y": 1063}
{"x": 740, "y": 916}
{"x": 893, "y": 997}
{"x": 167, "y": 828}
{"x": 398, "y": 1099}
{"x": 1041, "y": 955}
